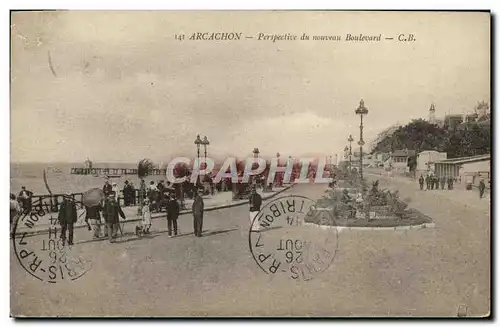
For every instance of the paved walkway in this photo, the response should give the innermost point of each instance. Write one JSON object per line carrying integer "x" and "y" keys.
{"x": 428, "y": 272}
{"x": 218, "y": 201}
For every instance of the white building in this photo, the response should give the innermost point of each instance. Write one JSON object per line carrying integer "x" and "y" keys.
{"x": 426, "y": 161}
{"x": 466, "y": 169}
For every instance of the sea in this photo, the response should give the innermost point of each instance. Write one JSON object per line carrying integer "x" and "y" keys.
{"x": 60, "y": 179}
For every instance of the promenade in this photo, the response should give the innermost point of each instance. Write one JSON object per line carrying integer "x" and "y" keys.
{"x": 218, "y": 201}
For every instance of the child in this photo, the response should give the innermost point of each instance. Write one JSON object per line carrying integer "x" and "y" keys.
{"x": 145, "y": 223}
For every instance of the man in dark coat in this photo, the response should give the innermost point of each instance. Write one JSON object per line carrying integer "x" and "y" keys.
{"x": 126, "y": 194}
{"x": 197, "y": 208}
{"x": 421, "y": 182}
{"x": 172, "y": 214}
{"x": 111, "y": 211}
{"x": 67, "y": 217}
{"x": 94, "y": 215}
{"x": 482, "y": 187}
{"x": 255, "y": 201}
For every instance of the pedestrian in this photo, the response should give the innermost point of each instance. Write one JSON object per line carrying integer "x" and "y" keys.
{"x": 132, "y": 194}
{"x": 126, "y": 194}
{"x": 421, "y": 182}
{"x": 197, "y": 209}
{"x": 26, "y": 199}
{"x": 482, "y": 187}
{"x": 443, "y": 181}
{"x": 15, "y": 210}
{"x": 145, "y": 223}
{"x": 255, "y": 202}
{"x": 67, "y": 217}
{"x": 107, "y": 188}
{"x": 173, "y": 210}
{"x": 142, "y": 191}
{"x": 428, "y": 182}
{"x": 116, "y": 192}
{"x": 111, "y": 211}
{"x": 152, "y": 195}
{"x": 94, "y": 215}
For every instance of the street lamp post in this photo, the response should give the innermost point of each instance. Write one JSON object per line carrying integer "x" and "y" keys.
{"x": 361, "y": 111}
{"x": 279, "y": 174}
{"x": 350, "y": 139}
{"x": 205, "y": 143}
{"x": 198, "y": 142}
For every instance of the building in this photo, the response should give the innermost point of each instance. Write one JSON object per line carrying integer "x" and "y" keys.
{"x": 426, "y": 161}
{"x": 470, "y": 169}
{"x": 399, "y": 159}
{"x": 453, "y": 121}
{"x": 432, "y": 114}
{"x": 482, "y": 109}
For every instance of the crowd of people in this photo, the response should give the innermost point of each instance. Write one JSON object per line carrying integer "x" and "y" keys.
{"x": 433, "y": 182}
{"x": 103, "y": 216}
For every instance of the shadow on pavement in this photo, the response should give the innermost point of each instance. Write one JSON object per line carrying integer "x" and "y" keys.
{"x": 219, "y": 232}
{"x": 137, "y": 238}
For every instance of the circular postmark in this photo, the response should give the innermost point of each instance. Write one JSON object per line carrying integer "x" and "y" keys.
{"x": 281, "y": 244}
{"x": 46, "y": 257}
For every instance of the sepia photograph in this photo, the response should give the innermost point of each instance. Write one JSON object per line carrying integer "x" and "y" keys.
{"x": 265, "y": 163}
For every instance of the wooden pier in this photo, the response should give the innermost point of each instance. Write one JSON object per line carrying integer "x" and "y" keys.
{"x": 113, "y": 171}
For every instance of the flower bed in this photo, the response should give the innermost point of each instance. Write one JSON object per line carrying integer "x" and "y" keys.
{"x": 377, "y": 208}
{"x": 411, "y": 217}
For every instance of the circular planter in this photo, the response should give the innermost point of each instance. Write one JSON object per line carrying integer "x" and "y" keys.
{"x": 411, "y": 217}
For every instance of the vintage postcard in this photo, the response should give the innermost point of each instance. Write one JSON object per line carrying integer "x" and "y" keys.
{"x": 250, "y": 164}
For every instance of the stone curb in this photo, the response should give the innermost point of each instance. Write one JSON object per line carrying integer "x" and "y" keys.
{"x": 162, "y": 215}
{"x": 342, "y": 228}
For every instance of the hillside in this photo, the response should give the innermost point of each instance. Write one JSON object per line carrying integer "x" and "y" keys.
{"x": 468, "y": 139}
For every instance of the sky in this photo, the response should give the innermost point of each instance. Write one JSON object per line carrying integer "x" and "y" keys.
{"x": 123, "y": 88}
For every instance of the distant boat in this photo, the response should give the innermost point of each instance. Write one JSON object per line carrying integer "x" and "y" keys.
{"x": 114, "y": 176}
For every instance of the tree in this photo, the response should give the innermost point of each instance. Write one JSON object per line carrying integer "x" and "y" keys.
{"x": 420, "y": 135}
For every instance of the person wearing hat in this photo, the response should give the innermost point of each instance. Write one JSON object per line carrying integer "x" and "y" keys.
{"x": 111, "y": 211}
{"x": 197, "y": 209}
{"x": 255, "y": 202}
{"x": 107, "y": 188}
{"x": 173, "y": 210}
{"x": 67, "y": 218}
{"x": 26, "y": 199}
